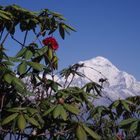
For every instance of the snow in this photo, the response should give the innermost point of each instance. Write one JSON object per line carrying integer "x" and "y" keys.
{"x": 121, "y": 84}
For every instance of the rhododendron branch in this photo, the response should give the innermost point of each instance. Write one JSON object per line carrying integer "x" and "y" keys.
{"x": 5, "y": 38}
{"x": 16, "y": 40}
{"x": 2, "y": 102}
{"x": 71, "y": 80}
{"x": 25, "y": 37}
{"x": 95, "y": 70}
{"x": 6, "y": 35}
{"x": 65, "y": 82}
{"x": 1, "y": 34}
{"x": 37, "y": 37}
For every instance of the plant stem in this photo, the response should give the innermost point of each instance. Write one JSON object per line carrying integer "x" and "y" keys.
{"x": 16, "y": 40}
{"x": 4, "y": 38}
{"x": 1, "y": 34}
{"x": 25, "y": 37}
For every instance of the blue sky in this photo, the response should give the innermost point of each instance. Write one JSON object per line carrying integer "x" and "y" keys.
{"x": 109, "y": 28}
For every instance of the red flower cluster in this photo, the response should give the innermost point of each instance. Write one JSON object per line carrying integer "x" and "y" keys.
{"x": 50, "y": 41}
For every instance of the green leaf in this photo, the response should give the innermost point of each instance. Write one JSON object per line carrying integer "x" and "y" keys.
{"x": 16, "y": 109}
{"x": 22, "y": 67}
{"x": 18, "y": 85}
{"x": 36, "y": 66}
{"x": 28, "y": 93}
{"x": 32, "y": 121}
{"x": 61, "y": 30}
{"x": 70, "y": 27}
{"x": 49, "y": 110}
{"x": 14, "y": 59}
{"x": 8, "y": 63}
{"x": 57, "y": 111}
{"x": 63, "y": 113}
{"x": 50, "y": 54}
{"x": 80, "y": 133}
{"x": 5, "y": 15}
{"x": 41, "y": 51}
{"x": 115, "y": 104}
{"x": 21, "y": 122}
{"x": 71, "y": 109}
{"x": 28, "y": 55}
{"x": 91, "y": 133}
{"x": 127, "y": 122}
{"x": 125, "y": 105}
{"x": 32, "y": 110}
{"x": 9, "y": 118}
{"x": 8, "y": 78}
{"x": 21, "y": 52}
{"x": 134, "y": 126}
{"x": 55, "y": 86}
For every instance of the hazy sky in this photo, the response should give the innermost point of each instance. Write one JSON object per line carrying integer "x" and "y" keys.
{"x": 109, "y": 28}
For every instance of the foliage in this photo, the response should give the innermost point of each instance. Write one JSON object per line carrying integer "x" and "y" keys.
{"x": 34, "y": 106}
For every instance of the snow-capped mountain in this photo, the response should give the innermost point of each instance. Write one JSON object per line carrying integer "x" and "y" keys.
{"x": 119, "y": 85}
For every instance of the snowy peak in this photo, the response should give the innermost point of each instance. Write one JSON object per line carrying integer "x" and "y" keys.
{"x": 99, "y": 60}
{"x": 100, "y": 67}
{"x": 121, "y": 84}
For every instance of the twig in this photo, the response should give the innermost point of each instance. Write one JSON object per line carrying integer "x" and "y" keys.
{"x": 16, "y": 40}
{"x": 37, "y": 36}
{"x": 71, "y": 80}
{"x": 1, "y": 34}
{"x": 5, "y": 38}
{"x": 95, "y": 70}
{"x": 6, "y": 35}
{"x": 25, "y": 37}
{"x": 2, "y": 102}
{"x": 65, "y": 82}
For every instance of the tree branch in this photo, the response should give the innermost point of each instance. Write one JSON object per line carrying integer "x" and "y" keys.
{"x": 25, "y": 37}
{"x": 16, "y": 40}
{"x": 5, "y": 38}
{"x": 1, "y": 34}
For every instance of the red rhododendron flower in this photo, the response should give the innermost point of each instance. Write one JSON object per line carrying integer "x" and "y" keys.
{"x": 51, "y": 41}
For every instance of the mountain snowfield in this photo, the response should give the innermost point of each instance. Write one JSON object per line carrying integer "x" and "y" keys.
{"x": 119, "y": 84}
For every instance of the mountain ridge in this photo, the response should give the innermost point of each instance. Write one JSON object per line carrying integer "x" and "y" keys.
{"x": 120, "y": 84}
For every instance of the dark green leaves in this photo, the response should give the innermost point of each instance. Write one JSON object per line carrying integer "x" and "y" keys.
{"x": 61, "y": 30}
{"x": 21, "y": 52}
{"x": 49, "y": 111}
{"x": 9, "y": 118}
{"x": 131, "y": 124}
{"x": 8, "y": 78}
{"x": 36, "y": 66}
{"x": 21, "y": 122}
{"x": 71, "y": 109}
{"x": 28, "y": 54}
{"x": 32, "y": 121}
{"x": 91, "y": 133}
{"x": 14, "y": 81}
{"x": 22, "y": 67}
{"x": 40, "y": 52}
{"x": 5, "y": 15}
{"x": 57, "y": 111}
{"x": 127, "y": 122}
{"x": 80, "y": 133}
{"x": 94, "y": 88}
{"x": 65, "y": 28}
{"x": 63, "y": 113}
{"x": 122, "y": 106}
